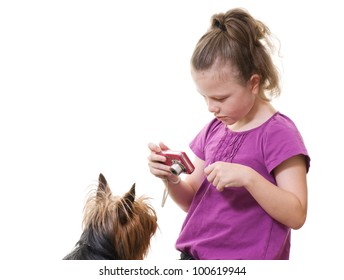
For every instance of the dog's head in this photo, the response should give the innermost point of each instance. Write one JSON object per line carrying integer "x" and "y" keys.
{"x": 116, "y": 227}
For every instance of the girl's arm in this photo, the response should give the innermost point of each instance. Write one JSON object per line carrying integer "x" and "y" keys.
{"x": 182, "y": 192}
{"x": 286, "y": 203}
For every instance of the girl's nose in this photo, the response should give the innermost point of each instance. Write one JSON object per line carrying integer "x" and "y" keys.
{"x": 212, "y": 107}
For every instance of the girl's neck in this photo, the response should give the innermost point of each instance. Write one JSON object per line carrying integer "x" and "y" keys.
{"x": 259, "y": 114}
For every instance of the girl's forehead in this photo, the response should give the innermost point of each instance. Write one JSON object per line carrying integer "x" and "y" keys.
{"x": 222, "y": 71}
{"x": 221, "y": 74}
{"x": 214, "y": 85}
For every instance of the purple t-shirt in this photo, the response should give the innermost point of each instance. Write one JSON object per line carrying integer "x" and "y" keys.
{"x": 231, "y": 224}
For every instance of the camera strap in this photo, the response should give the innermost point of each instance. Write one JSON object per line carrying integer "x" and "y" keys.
{"x": 164, "y": 197}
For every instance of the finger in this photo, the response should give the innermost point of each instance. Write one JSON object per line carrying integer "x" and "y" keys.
{"x": 153, "y": 157}
{"x": 209, "y": 169}
{"x": 158, "y": 165}
{"x": 163, "y": 146}
{"x": 216, "y": 182}
{"x": 154, "y": 148}
{"x": 211, "y": 178}
{"x": 159, "y": 169}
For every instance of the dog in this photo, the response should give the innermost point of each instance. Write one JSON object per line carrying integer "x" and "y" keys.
{"x": 115, "y": 228}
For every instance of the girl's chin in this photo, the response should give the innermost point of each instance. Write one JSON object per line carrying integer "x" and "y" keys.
{"x": 226, "y": 120}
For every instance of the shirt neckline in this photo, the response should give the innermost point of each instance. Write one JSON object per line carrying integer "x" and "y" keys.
{"x": 254, "y": 128}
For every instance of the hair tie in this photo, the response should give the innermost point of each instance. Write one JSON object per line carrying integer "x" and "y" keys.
{"x": 220, "y": 25}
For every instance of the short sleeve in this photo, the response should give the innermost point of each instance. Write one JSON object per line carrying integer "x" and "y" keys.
{"x": 283, "y": 141}
{"x": 198, "y": 144}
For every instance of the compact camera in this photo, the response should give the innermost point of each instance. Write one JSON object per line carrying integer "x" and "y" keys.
{"x": 178, "y": 162}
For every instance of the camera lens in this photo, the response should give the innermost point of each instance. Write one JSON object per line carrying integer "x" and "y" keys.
{"x": 176, "y": 169}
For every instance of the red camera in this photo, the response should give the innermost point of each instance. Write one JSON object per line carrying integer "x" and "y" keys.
{"x": 178, "y": 162}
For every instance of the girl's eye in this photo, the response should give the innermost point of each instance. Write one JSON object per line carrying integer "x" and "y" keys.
{"x": 218, "y": 99}
{"x": 221, "y": 99}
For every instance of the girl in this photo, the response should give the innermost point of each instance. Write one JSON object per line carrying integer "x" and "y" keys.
{"x": 249, "y": 187}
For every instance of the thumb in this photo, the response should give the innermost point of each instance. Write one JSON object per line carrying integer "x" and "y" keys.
{"x": 163, "y": 146}
{"x": 208, "y": 169}
{"x": 154, "y": 148}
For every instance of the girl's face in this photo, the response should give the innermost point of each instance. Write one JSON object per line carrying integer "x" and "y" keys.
{"x": 229, "y": 100}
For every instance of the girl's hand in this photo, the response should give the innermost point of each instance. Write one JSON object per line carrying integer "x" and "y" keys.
{"x": 224, "y": 174}
{"x": 156, "y": 162}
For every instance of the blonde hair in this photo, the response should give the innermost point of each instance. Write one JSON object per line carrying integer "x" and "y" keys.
{"x": 236, "y": 37}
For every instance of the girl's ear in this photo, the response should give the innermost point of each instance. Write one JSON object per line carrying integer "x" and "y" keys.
{"x": 255, "y": 83}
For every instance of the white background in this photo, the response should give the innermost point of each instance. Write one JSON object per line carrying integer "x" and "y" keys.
{"x": 86, "y": 85}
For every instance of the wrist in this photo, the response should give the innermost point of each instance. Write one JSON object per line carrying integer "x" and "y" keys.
{"x": 174, "y": 181}
{"x": 250, "y": 178}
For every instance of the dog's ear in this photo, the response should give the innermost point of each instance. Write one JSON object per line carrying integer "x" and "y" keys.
{"x": 126, "y": 208}
{"x": 103, "y": 186}
{"x": 130, "y": 195}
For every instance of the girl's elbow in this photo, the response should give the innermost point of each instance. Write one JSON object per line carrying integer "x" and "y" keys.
{"x": 297, "y": 226}
{"x": 185, "y": 208}
{"x": 299, "y": 222}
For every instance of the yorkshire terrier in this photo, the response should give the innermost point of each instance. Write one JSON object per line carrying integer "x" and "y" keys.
{"x": 115, "y": 228}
